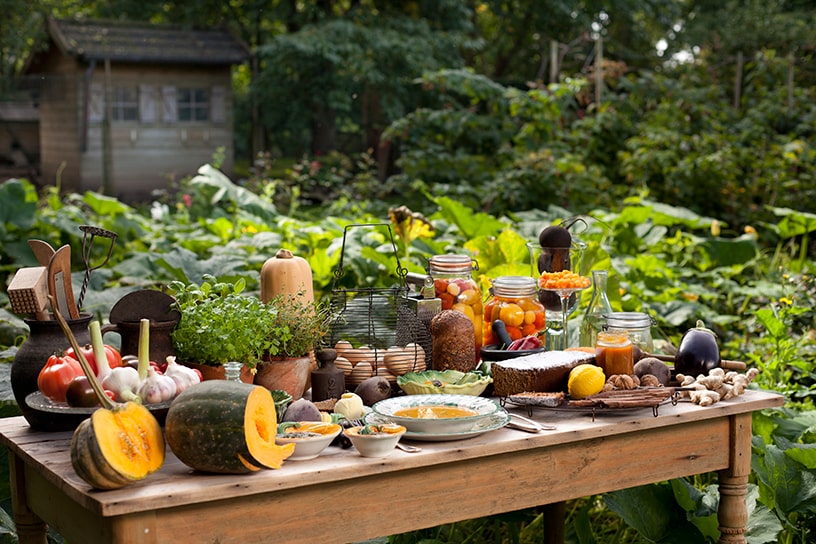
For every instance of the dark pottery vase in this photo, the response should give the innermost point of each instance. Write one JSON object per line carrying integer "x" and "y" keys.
{"x": 161, "y": 342}
{"x": 45, "y": 338}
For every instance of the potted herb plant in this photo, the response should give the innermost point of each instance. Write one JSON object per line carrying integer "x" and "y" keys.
{"x": 297, "y": 327}
{"x": 220, "y": 324}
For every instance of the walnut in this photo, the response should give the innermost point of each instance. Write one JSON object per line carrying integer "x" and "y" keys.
{"x": 623, "y": 381}
{"x": 650, "y": 380}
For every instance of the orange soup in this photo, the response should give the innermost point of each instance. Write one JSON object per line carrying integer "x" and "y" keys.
{"x": 435, "y": 412}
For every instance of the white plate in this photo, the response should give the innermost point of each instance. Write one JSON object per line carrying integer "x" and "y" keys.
{"x": 483, "y": 407}
{"x": 486, "y": 424}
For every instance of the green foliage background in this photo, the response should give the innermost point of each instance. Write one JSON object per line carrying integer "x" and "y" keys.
{"x": 699, "y": 205}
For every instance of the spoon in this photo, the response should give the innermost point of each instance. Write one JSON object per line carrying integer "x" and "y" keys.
{"x": 408, "y": 449}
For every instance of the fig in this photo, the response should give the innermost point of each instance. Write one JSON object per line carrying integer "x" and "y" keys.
{"x": 373, "y": 390}
{"x": 302, "y": 410}
{"x": 555, "y": 236}
{"x": 655, "y": 367}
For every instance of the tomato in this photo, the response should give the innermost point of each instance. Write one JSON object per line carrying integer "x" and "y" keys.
{"x": 57, "y": 375}
{"x": 113, "y": 355}
{"x": 447, "y": 300}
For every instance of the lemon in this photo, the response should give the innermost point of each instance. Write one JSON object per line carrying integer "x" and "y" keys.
{"x": 585, "y": 380}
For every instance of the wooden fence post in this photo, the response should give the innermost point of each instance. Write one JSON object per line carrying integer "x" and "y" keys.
{"x": 738, "y": 81}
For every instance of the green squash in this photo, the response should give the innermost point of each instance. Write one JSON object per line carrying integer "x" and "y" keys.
{"x": 225, "y": 427}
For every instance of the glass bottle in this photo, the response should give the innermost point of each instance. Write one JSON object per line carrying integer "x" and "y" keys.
{"x": 597, "y": 310}
{"x": 455, "y": 287}
{"x": 232, "y": 371}
{"x": 514, "y": 301}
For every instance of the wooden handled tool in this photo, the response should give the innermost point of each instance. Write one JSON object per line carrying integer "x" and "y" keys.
{"x": 59, "y": 282}
{"x": 724, "y": 363}
{"x": 28, "y": 292}
{"x": 42, "y": 251}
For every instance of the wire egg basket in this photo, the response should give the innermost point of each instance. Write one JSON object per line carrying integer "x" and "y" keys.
{"x": 376, "y": 331}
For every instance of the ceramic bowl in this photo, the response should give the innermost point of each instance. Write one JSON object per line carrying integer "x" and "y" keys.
{"x": 437, "y": 414}
{"x": 441, "y": 382}
{"x": 380, "y": 444}
{"x": 309, "y": 437}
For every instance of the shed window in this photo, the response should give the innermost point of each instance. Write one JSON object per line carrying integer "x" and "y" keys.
{"x": 125, "y": 104}
{"x": 193, "y": 104}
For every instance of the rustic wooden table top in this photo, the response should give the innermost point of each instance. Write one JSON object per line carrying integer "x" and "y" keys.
{"x": 687, "y": 433}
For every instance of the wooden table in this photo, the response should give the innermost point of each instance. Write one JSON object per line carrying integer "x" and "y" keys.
{"x": 342, "y": 497}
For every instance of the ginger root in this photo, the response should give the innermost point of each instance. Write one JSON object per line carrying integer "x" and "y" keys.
{"x": 718, "y": 385}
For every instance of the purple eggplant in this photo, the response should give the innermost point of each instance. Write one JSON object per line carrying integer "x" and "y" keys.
{"x": 698, "y": 351}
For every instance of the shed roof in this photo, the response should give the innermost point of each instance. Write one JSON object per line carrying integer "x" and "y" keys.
{"x": 90, "y": 40}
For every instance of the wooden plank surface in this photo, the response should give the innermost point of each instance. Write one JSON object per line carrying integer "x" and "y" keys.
{"x": 605, "y": 443}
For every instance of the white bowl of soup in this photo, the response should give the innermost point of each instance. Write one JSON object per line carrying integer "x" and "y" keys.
{"x": 437, "y": 414}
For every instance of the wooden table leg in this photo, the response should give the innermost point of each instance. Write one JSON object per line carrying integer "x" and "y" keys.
{"x": 733, "y": 483}
{"x": 30, "y": 528}
{"x": 555, "y": 516}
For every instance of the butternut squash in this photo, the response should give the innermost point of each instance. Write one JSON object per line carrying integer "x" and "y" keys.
{"x": 286, "y": 274}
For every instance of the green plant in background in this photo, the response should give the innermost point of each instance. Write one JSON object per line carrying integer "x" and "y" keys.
{"x": 666, "y": 260}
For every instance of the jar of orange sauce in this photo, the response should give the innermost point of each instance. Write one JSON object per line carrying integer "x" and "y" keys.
{"x": 613, "y": 353}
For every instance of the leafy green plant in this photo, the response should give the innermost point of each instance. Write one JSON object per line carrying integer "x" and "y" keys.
{"x": 219, "y": 324}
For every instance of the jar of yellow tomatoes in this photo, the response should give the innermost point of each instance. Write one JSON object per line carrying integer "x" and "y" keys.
{"x": 514, "y": 301}
{"x": 455, "y": 287}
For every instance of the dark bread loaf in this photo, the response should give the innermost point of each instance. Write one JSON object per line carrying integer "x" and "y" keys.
{"x": 539, "y": 372}
{"x": 453, "y": 341}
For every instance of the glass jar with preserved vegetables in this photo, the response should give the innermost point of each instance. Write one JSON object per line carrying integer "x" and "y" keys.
{"x": 514, "y": 302}
{"x": 454, "y": 285}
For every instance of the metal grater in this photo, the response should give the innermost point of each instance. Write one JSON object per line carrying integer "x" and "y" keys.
{"x": 424, "y": 302}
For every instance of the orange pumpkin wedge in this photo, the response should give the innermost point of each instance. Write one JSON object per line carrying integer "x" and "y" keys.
{"x": 120, "y": 443}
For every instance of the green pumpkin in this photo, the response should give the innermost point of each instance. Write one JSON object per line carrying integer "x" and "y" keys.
{"x": 225, "y": 427}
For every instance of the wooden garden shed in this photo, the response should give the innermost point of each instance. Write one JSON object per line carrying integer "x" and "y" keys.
{"x": 127, "y": 108}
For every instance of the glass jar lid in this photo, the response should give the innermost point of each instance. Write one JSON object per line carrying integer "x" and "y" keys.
{"x": 628, "y": 320}
{"x": 451, "y": 264}
{"x": 514, "y": 286}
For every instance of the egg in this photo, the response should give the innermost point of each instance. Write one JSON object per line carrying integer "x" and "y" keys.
{"x": 363, "y": 353}
{"x": 361, "y": 371}
{"x": 418, "y": 353}
{"x": 343, "y": 364}
{"x": 398, "y": 361}
{"x": 342, "y": 346}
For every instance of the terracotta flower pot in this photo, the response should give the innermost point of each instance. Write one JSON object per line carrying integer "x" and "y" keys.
{"x": 287, "y": 374}
{"x": 210, "y": 372}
